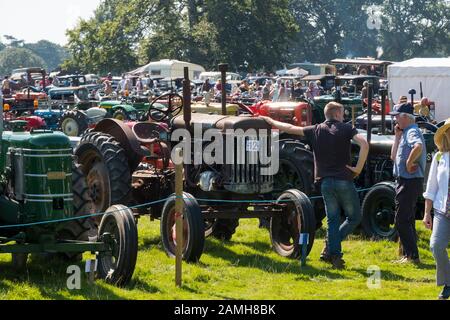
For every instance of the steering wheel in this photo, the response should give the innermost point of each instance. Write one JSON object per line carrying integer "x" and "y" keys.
{"x": 173, "y": 109}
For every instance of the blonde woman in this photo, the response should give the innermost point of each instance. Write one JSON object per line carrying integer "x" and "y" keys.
{"x": 437, "y": 197}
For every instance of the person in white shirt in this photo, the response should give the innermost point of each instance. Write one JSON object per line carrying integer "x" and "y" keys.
{"x": 437, "y": 197}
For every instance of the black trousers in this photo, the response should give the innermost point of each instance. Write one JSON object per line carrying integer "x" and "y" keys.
{"x": 408, "y": 193}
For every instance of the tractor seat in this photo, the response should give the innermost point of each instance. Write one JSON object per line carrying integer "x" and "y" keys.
{"x": 149, "y": 133}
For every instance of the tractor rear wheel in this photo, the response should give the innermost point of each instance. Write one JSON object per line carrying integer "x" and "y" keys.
{"x": 73, "y": 123}
{"x": 82, "y": 229}
{"x": 193, "y": 229}
{"x": 285, "y": 229}
{"x": 378, "y": 210}
{"x": 296, "y": 168}
{"x": 118, "y": 229}
{"x": 106, "y": 167}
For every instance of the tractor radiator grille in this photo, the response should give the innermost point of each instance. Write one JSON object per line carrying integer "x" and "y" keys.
{"x": 244, "y": 174}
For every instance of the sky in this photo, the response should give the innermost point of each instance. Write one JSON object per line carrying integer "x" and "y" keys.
{"x": 33, "y": 20}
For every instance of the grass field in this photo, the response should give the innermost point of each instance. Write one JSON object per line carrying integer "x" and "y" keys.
{"x": 245, "y": 268}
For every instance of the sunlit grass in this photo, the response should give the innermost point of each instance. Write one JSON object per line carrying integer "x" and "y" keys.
{"x": 245, "y": 268}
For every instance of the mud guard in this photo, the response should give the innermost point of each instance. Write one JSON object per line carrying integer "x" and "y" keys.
{"x": 125, "y": 136}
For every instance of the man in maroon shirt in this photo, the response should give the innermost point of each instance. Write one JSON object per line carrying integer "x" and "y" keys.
{"x": 331, "y": 143}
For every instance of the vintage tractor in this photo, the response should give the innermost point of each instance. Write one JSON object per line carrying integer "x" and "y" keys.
{"x": 45, "y": 206}
{"x": 70, "y": 111}
{"x": 132, "y": 162}
{"x": 126, "y": 109}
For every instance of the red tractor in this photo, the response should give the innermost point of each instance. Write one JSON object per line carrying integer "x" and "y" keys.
{"x": 296, "y": 113}
{"x": 33, "y": 122}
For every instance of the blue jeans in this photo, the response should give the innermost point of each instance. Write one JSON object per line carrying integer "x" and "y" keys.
{"x": 439, "y": 243}
{"x": 340, "y": 195}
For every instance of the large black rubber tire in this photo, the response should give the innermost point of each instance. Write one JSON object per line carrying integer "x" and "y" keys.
{"x": 378, "y": 211}
{"x": 296, "y": 168}
{"x": 105, "y": 164}
{"x": 194, "y": 228}
{"x": 118, "y": 268}
{"x": 285, "y": 230}
{"x": 83, "y": 229}
{"x": 82, "y": 206}
{"x": 73, "y": 123}
{"x": 222, "y": 229}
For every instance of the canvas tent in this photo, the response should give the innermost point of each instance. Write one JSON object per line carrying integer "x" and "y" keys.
{"x": 433, "y": 73}
{"x": 297, "y": 72}
{"x": 168, "y": 69}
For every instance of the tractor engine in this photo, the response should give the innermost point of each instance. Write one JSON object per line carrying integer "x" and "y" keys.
{"x": 36, "y": 176}
{"x": 241, "y": 171}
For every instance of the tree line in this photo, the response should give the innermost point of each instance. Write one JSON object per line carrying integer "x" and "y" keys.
{"x": 16, "y": 53}
{"x": 255, "y": 35}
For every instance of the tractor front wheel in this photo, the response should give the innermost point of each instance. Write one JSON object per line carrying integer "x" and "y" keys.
{"x": 286, "y": 228}
{"x": 73, "y": 123}
{"x": 118, "y": 229}
{"x": 378, "y": 211}
{"x": 193, "y": 229}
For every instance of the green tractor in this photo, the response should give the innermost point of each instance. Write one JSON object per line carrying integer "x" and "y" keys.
{"x": 348, "y": 102}
{"x": 127, "y": 109}
{"x": 46, "y": 208}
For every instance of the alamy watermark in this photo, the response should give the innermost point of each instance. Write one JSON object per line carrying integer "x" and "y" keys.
{"x": 229, "y": 147}
{"x": 374, "y": 279}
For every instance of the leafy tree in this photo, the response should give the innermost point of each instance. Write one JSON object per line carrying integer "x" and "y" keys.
{"x": 108, "y": 42}
{"x": 415, "y": 28}
{"x": 52, "y": 53}
{"x": 14, "y": 42}
{"x": 13, "y": 58}
{"x": 331, "y": 29}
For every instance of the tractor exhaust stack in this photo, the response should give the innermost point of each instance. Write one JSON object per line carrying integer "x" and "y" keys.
{"x": 223, "y": 68}
{"x": 383, "y": 94}
{"x": 187, "y": 114}
{"x": 368, "y": 176}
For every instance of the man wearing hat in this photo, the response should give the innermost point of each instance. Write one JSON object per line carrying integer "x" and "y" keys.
{"x": 409, "y": 156}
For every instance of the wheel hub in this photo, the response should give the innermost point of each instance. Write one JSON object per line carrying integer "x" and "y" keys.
{"x": 99, "y": 187}
{"x": 70, "y": 127}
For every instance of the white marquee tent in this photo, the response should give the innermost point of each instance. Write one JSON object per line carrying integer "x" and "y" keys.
{"x": 433, "y": 73}
{"x": 169, "y": 69}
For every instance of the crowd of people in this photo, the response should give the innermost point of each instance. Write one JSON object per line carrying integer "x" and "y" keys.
{"x": 269, "y": 90}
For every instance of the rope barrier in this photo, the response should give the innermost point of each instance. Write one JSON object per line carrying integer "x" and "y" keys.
{"x": 145, "y": 205}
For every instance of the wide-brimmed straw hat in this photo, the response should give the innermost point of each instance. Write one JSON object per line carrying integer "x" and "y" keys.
{"x": 439, "y": 135}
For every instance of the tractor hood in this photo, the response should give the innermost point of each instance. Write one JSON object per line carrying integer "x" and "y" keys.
{"x": 223, "y": 123}
{"x": 110, "y": 104}
{"x": 39, "y": 139}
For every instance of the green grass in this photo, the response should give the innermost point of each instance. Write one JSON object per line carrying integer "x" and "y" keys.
{"x": 245, "y": 268}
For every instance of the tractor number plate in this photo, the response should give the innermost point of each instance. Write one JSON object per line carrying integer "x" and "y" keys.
{"x": 56, "y": 175}
{"x": 253, "y": 146}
